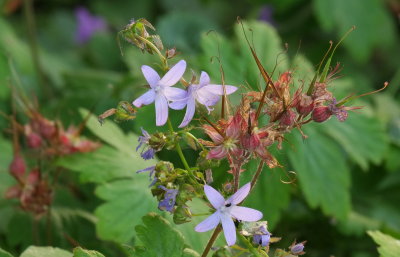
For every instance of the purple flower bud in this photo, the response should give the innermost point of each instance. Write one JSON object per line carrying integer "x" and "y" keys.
{"x": 262, "y": 240}
{"x": 168, "y": 203}
{"x": 297, "y": 249}
{"x": 148, "y": 154}
{"x": 143, "y": 139}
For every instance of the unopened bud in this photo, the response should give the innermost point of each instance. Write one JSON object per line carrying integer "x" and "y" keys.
{"x": 17, "y": 167}
{"x": 288, "y": 118}
{"x": 297, "y": 249}
{"x": 321, "y": 114}
{"x": 171, "y": 53}
{"x": 34, "y": 140}
{"x": 182, "y": 215}
{"x": 305, "y": 105}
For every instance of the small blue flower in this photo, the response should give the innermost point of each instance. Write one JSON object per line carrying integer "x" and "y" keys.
{"x": 151, "y": 174}
{"x": 262, "y": 240}
{"x": 88, "y": 25}
{"x": 148, "y": 154}
{"x": 143, "y": 139}
{"x": 168, "y": 203}
{"x": 297, "y": 249}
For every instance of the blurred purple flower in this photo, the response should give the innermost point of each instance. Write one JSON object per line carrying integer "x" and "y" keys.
{"x": 226, "y": 211}
{"x": 205, "y": 93}
{"x": 168, "y": 203}
{"x": 266, "y": 14}
{"x": 151, "y": 170}
{"x": 88, "y": 25}
{"x": 161, "y": 90}
{"x": 147, "y": 152}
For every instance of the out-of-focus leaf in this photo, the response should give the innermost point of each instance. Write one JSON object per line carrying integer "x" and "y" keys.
{"x": 36, "y": 251}
{"x": 4, "y": 76}
{"x": 388, "y": 246}
{"x": 126, "y": 200}
{"x": 103, "y": 165}
{"x": 392, "y": 162}
{"x": 363, "y": 138}
{"x": 113, "y": 166}
{"x": 160, "y": 239}
{"x": 267, "y": 45}
{"x": 79, "y": 252}
{"x": 341, "y": 15}
{"x": 322, "y": 171}
{"x": 270, "y": 195}
{"x": 4, "y": 253}
{"x": 357, "y": 223}
{"x": 183, "y": 29}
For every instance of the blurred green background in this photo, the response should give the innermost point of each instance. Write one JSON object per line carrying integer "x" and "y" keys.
{"x": 347, "y": 174}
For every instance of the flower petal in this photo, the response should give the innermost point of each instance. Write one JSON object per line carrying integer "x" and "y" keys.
{"x": 229, "y": 229}
{"x": 178, "y": 105}
{"x": 245, "y": 214}
{"x": 150, "y": 75}
{"x": 191, "y": 107}
{"x": 239, "y": 196}
{"x": 215, "y": 198}
{"x": 206, "y": 98}
{"x": 174, "y": 74}
{"x": 145, "y": 99}
{"x": 209, "y": 223}
{"x": 204, "y": 79}
{"x": 218, "y": 89}
{"x": 217, "y": 152}
{"x": 174, "y": 94}
{"x": 161, "y": 110}
{"x": 213, "y": 134}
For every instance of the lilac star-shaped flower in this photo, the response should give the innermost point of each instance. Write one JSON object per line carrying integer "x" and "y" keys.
{"x": 161, "y": 90}
{"x": 205, "y": 93}
{"x": 226, "y": 211}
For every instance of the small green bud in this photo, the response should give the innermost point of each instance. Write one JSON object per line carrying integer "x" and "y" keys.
{"x": 182, "y": 215}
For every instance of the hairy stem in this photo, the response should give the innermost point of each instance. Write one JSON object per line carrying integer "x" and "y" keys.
{"x": 256, "y": 175}
{"x": 210, "y": 243}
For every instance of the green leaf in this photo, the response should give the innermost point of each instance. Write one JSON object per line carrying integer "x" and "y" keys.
{"x": 389, "y": 246}
{"x": 341, "y": 15}
{"x": 126, "y": 200}
{"x": 4, "y": 253}
{"x": 270, "y": 195}
{"x": 363, "y": 138}
{"x": 126, "y": 194}
{"x": 36, "y": 251}
{"x": 4, "y": 76}
{"x": 79, "y": 252}
{"x": 322, "y": 172}
{"x": 160, "y": 239}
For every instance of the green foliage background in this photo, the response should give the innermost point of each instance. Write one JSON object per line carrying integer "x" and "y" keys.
{"x": 346, "y": 177}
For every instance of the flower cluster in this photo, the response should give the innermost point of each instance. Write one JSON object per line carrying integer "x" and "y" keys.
{"x": 165, "y": 96}
{"x": 259, "y": 122}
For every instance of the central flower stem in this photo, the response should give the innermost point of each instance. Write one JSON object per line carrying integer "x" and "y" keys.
{"x": 179, "y": 149}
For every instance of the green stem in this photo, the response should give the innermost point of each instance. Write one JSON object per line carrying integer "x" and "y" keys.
{"x": 248, "y": 245}
{"x": 179, "y": 149}
{"x": 31, "y": 25}
{"x": 195, "y": 139}
{"x": 162, "y": 57}
{"x": 210, "y": 243}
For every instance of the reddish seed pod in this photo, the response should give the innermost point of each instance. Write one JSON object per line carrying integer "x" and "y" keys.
{"x": 17, "y": 167}
{"x": 305, "y": 105}
{"x": 321, "y": 114}
{"x": 288, "y": 118}
{"x": 34, "y": 140}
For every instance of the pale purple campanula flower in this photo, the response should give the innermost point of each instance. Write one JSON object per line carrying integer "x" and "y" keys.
{"x": 226, "y": 211}
{"x": 205, "y": 93}
{"x": 161, "y": 90}
{"x": 266, "y": 14}
{"x": 168, "y": 203}
{"x": 88, "y": 25}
